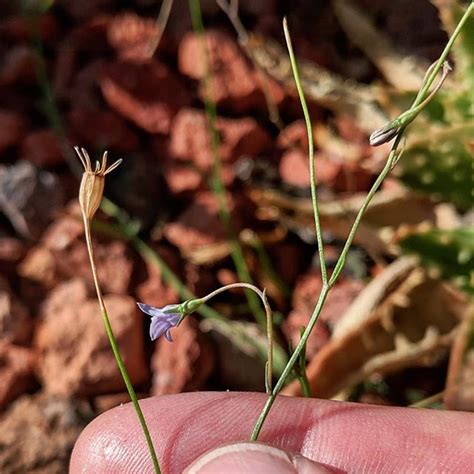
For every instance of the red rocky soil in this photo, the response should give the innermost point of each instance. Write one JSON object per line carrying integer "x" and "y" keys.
{"x": 112, "y": 91}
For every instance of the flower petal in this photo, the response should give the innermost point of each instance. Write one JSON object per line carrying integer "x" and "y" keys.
{"x": 158, "y": 328}
{"x": 168, "y": 335}
{"x": 173, "y": 319}
{"x": 151, "y": 310}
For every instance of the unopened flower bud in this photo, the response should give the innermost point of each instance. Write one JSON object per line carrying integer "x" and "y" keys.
{"x": 92, "y": 183}
{"x": 384, "y": 134}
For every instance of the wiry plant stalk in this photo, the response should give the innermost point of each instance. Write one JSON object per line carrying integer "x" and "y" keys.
{"x": 216, "y": 183}
{"x": 268, "y": 313}
{"x": 393, "y": 157}
{"x": 90, "y": 197}
{"x": 218, "y": 322}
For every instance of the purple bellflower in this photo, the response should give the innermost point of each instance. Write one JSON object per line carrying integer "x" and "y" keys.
{"x": 162, "y": 319}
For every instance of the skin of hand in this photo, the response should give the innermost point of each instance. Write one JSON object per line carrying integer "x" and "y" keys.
{"x": 207, "y": 432}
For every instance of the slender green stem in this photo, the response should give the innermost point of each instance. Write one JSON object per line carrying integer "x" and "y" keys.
{"x": 392, "y": 158}
{"x": 219, "y": 322}
{"x": 115, "y": 349}
{"x": 393, "y": 128}
{"x": 54, "y": 119}
{"x": 300, "y": 370}
{"x": 391, "y": 161}
{"x": 289, "y": 366}
{"x": 251, "y": 238}
{"x": 216, "y": 183}
{"x": 383, "y": 174}
{"x": 424, "y": 95}
{"x": 309, "y": 131}
{"x": 269, "y": 317}
{"x": 444, "y": 55}
{"x": 304, "y": 382}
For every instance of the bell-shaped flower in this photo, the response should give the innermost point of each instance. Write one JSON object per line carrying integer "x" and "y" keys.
{"x": 162, "y": 319}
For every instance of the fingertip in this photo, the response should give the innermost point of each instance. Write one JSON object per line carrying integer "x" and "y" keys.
{"x": 254, "y": 457}
{"x": 107, "y": 444}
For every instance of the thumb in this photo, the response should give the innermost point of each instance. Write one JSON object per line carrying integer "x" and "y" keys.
{"x": 248, "y": 457}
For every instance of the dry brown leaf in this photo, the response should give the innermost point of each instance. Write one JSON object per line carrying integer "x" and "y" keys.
{"x": 389, "y": 208}
{"x": 403, "y": 72}
{"x": 407, "y": 320}
{"x": 459, "y": 393}
{"x": 330, "y": 90}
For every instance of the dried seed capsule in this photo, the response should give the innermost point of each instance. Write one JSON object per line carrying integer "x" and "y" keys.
{"x": 92, "y": 183}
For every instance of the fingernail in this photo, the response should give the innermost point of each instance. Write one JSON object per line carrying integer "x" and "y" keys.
{"x": 250, "y": 457}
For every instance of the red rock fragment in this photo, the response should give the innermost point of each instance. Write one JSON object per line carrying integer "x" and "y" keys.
{"x": 234, "y": 82}
{"x": 86, "y": 44}
{"x": 11, "y": 129}
{"x": 294, "y": 136}
{"x": 153, "y": 290}
{"x": 288, "y": 261}
{"x": 39, "y": 431}
{"x": 198, "y": 281}
{"x": 18, "y": 66}
{"x": 12, "y": 250}
{"x": 133, "y": 37}
{"x": 340, "y": 176}
{"x": 15, "y": 322}
{"x": 305, "y": 296}
{"x": 181, "y": 178}
{"x": 294, "y": 168}
{"x": 39, "y": 266}
{"x": 148, "y": 94}
{"x": 349, "y": 130}
{"x": 226, "y": 277}
{"x": 102, "y": 128}
{"x": 185, "y": 364}
{"x": 190, "y": 138}
{"x": 62, "y": 254}
{"x": 16, "y": 372}
{"x": 74, "y": 352}
{"x": 198, "y": 225}
{"x": 42, "y": 148}
{"x": 79, "y": 86}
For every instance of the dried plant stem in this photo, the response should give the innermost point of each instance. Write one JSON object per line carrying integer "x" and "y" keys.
{"x": 268, "y": 313}
{"x": 231, "y": 9}
{"x": 392, "y": 159}
{"x": 115, "y": 348}
{"x": 160, "y": 24}
{"x": 426, "y": 402}
{"x": 216, "y": 183}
